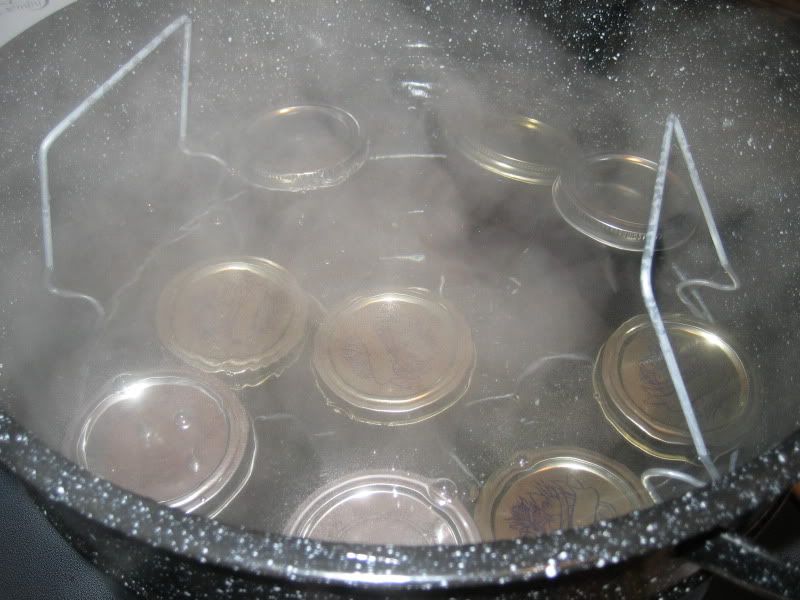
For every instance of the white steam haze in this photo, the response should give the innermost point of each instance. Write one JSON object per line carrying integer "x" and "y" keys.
{"x": 130, "y": 210}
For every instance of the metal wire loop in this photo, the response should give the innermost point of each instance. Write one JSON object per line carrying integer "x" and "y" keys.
{"x": 659, "y": 473}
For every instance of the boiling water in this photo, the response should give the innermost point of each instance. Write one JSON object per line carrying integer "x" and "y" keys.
{"x": 539, "y": 298}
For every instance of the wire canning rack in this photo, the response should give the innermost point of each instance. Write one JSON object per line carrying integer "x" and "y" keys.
{"x": 687, "y": 290}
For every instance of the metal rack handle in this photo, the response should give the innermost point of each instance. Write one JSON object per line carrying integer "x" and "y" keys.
{"x": 674, "y": 129}
{"x": 182, "y": 22}
{"x": 722, "y": 256}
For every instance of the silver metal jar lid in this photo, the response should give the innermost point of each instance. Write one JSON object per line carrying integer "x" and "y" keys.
{"x": 302, "y": 148}
{"x": 375, "y": 507}
{"x": 608, "y": 198}
{"x": 183, "y": 441}
{"x": 516, "y": 147}
{"x": 542, "y": 491}
{"x": 635, "y": 391}
{"x": 244, "y": 317}
{"x": 394, "y": 357}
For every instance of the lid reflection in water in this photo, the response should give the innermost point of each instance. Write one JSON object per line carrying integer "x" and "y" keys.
{"x": 167, "y": 436}
{"x": 385, "y": 508}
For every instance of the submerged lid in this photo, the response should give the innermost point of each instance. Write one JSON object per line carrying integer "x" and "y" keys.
{"x": 245, "y": 317}
{"x": 556, "y": 488}
{"x": 168, "y": 436}
{"x": 636, "y": 393}
{"x": 385, "y": 508}
{"x": 516, "y": 147}
{"x": 608, "y": 198}
{"x": 394, "y": 357}
{"x": 301, "y": 148}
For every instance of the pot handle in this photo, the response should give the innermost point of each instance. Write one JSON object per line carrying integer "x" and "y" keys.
{"x": 746, "y": 564}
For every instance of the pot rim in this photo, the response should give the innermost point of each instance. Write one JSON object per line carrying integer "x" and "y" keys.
{"x": 275, "y": 556}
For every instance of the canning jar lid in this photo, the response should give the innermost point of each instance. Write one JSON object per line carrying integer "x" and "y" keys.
{"x": 181, "y": 439}
{"x": 394, "y": 357}
{"x": 608, "y": 198}
{"x": 243, "y": 317}
{"x": 635, "y": 391}
{"x": 375, "y": 507}
{"x": 302, "y": 148}
{"x": 513, "y": 146}
{"x": 546, "y": 490}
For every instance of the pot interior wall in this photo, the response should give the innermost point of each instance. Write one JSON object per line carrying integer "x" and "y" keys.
{"x": 131, "y": 210}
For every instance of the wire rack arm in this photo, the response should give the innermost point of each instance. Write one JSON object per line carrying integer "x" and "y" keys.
{"x": 182, "y": 22}
{"x": 689, "y": 284}
{"x": 658, "y": 473}
{"x": 673, "y": 129}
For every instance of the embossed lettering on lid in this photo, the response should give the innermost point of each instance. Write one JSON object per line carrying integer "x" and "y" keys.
{"x": 636, "y": 393}
{"x": 552, "y": 489}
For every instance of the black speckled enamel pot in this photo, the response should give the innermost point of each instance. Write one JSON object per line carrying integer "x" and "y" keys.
{"x": 165, "y": 553}
{"x": 642, "y": 62}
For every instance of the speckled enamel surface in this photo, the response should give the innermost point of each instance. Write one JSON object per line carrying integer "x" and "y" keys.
{"x": 155, "y": 550}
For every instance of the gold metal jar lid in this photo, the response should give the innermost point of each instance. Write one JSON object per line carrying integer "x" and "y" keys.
{"x": 302, "y": 148}
{"x": 243, "y": 317}
{"x": 393, "y": 358}
{"x": 180, "y": 438}
{"x": 513, "y": 146}
{"x": 608, "y": 198}
{"x": 542, "y": 491}
{"x": 635, "y": 391}
{"x": 376, "y": 507}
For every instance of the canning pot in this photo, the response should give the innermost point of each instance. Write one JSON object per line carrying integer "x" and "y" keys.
{"x": 435, "y": 351}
